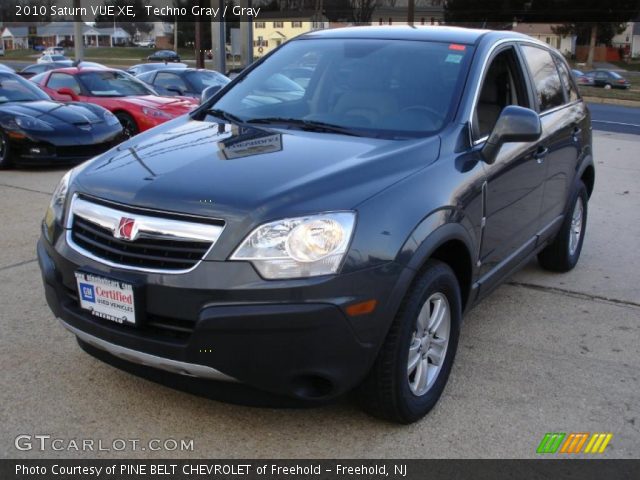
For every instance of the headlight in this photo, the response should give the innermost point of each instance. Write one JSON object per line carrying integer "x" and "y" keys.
{"x": 111, "y": 119}
{"x": 30, "y": 123}
{"x": 299, "y": 247}
{"x": 55, "y": 212}
{"x": 154, "y": 113}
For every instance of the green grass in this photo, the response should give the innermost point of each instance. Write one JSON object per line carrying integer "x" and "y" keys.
{"x": 611, "y": 94}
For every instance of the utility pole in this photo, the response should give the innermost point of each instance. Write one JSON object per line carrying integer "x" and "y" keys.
{"x": 411, "y": 9}
{"x": 198, "y": 42}
{"x": 219, "y": 40}
{"x": 246, "y": 34}
{"x": 78, "y": 40}
{"x": 175, "y": 34}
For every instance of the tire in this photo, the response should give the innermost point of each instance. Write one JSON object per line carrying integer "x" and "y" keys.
{"x": 5, "y": 153}
{"x": 129, "y": 125}
{"x": 607, "y": 86}
{"x": 391, "y": 390}
{"x": 563, "y": 253}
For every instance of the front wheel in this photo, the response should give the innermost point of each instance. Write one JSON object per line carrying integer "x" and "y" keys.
{"x": 5, "y": 154}
{"x": 129, "y": 125}
{"x": 564, "y": 252}
{"x": 415, "y": 360}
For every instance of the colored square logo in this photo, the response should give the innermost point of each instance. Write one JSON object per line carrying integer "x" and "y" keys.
{"x": 87, "y": 292}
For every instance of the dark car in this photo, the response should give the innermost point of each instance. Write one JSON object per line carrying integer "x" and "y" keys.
{"x": 608, "y": 79}
{"x": 306, "y": 245}
{"x": 164, "y": 56}
{"x": 148, "y": 67}
{"x": 188, "y": 82}
{"x": 35, "y": 69}
{"x": 35, "y": 129}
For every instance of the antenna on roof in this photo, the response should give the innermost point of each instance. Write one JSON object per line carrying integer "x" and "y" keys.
{"x": 76, "y": 63}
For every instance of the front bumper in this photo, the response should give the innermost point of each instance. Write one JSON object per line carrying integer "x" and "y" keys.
{"x": 37, "y": 152}
{"x": 222, "y": 322}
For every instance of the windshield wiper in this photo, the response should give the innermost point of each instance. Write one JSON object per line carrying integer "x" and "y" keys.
{"x": 229, "y": 117}
{"x": 308, "y": 125}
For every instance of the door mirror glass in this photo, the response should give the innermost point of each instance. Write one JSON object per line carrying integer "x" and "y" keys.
{"x": 515, "y": 124}
{"x": 209, "y": 92}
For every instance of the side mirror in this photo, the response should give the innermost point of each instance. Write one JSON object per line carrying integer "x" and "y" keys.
{"x": 175, "y": 89}
{"x": 515, "y": 124}
{"x": 209, "y": 92}
{"x": 68, "y": 92}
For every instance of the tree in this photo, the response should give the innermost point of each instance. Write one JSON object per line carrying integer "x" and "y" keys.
{"x": 591, "y": 20}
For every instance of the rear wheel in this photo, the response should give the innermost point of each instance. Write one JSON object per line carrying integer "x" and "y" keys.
{"x": 563, "y": 254}
{"x": 414, "y": 362}
{"x": 129, "y": 125}
{"x": 5, "y": 154}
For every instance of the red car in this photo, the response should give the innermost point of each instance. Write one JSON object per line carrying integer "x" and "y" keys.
{"x": 136, "y": 105}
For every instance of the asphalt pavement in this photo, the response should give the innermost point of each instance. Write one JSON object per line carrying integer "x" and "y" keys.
{"x": 545, "y": 353}
{"x": 615, "y": 118}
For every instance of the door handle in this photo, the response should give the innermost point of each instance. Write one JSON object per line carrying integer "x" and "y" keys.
{"x": 575, "y": 132}
{"x": 540, "y": 154}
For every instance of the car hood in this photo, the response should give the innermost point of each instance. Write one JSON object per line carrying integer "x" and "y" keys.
{"x": 169, "y": 104}
{"x": 246, "y": 174}
{"x": 53, "y": 113}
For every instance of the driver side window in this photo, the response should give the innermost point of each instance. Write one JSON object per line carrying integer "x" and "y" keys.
{"x": 63, "y": 80}
{"x": 503, "y": 85}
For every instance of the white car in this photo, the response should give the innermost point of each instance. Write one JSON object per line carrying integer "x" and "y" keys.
{"x": 54, "y": 51}
{"x": 49, "y": 58}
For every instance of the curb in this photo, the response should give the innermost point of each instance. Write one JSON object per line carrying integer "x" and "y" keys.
{"x": 612, "y": 101}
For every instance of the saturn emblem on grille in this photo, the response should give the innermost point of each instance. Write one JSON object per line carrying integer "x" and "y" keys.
{"x": 126, "y": 229}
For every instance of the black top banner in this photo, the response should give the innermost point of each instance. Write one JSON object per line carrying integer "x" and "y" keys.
{"x": 491, "y": 13}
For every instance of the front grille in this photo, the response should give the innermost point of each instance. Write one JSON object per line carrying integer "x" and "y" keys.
{"x": 82, "y": 151}
{"x": 141, "y": 253}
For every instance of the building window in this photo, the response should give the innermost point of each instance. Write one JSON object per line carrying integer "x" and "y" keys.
{"x": 260, "y": 25}
{"x": 278, "y": 24}
{"x": 296, "y": 24}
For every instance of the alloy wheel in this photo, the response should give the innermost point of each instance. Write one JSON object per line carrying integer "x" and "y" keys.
{"x": 429, "y": 342}
{"x": 575, "y": 231}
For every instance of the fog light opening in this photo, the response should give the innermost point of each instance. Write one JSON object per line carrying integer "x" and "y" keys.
{"x": 312, "y": 387}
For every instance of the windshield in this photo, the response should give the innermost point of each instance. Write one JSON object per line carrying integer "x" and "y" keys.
{"x": 367, "y": 87}
{"x": 57, "y": 58}
{"x": 113, "y": 84}
{"x": 202, "y": 80}
{"x": 15, "y": 89}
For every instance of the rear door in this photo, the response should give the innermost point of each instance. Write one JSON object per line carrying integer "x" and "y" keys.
{"x": 563, "y": 116}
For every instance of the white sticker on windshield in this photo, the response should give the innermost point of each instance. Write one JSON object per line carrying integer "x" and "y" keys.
{"x": 453, "y": 58}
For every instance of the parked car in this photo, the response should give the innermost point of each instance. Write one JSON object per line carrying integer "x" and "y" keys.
{"x": 50, "y": 58}
{"x": 146, "y": 44}
{"x": 582, "y": 79}
{"x": 310, "y": 245}
{"x": 608, "y": 79}
{"x": 148, "y": 67}
{"x": 187, "y": 82}
{"x": 35, "y": 129}
{"x": 164, "y": 56}
{"x": 136, "y": 105}
{"x": 54, "y": 51}
{"x": 32, "y": 70}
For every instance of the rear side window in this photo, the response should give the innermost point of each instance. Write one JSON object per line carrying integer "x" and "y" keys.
{"x": 545, "y": 76}
{"x": 63, "y": 80}
{"x": 569, "y": 86}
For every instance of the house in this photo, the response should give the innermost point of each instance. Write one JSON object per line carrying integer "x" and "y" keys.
{"x": 546, "y": 32}
{"x": 629, "y": 40}
{"x": 432, "y": 14}
{"x": 272, "y": 29}
{"x": 57, "y": 33}
{"x": 15, "y": 38}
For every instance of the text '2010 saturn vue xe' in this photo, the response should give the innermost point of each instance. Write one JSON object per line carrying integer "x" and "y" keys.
{"x": 309, "y": 237}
